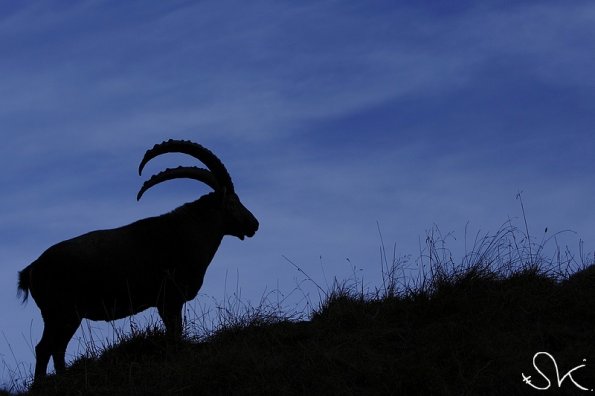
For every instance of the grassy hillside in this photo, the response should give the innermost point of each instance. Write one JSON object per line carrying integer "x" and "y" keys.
{"x": 468, "y": 329}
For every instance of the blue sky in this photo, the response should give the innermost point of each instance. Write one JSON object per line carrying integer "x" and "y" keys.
{"x": 331, "y": 116}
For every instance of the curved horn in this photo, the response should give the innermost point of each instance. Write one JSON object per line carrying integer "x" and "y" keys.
{"x": 188, "y": 172}
{"x": 195, "y": 150}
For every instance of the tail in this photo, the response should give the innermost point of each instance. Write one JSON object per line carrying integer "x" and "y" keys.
{"x": 24, "y": 284}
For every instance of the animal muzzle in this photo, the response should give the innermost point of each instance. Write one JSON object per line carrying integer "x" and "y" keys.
{"x": 250, "y": 231}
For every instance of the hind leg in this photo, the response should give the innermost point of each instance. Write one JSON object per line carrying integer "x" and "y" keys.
{"x": 56, "y": 335}
{"x": 43, "y": 351}
{"x": 61, "y": 341}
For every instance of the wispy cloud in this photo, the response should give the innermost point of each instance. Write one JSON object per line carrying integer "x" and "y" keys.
{"x": 202, "y": 67}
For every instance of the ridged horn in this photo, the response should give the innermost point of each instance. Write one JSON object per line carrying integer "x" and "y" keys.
{"x": 195, "y": 150}
{"x": 186, "y": 172}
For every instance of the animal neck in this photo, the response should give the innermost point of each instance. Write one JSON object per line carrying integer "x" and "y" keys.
{"x": 201, "y": 218}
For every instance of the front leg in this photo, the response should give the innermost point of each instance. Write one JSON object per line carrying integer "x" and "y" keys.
{"x": 171, "y": 315}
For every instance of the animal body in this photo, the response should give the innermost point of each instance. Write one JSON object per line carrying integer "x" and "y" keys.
{"x": 154, "y": 262}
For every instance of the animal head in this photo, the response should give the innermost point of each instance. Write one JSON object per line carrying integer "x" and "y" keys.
{"x": 238, "y": 220}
